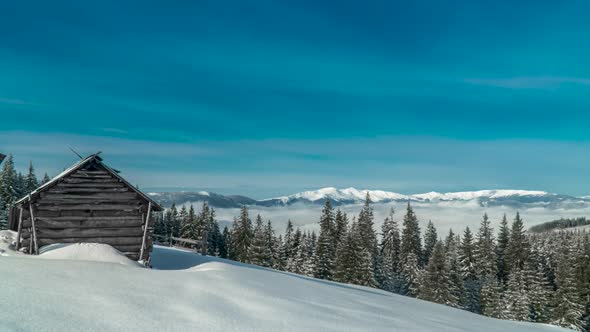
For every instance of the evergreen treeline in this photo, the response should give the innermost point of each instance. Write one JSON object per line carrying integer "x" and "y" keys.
{"x": 13, "y": 186}
{"x": 509, "y": 275}
{"x": 560, "y": 224}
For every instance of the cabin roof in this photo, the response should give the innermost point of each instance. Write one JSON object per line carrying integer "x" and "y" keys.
{"x": 96, "y": 158}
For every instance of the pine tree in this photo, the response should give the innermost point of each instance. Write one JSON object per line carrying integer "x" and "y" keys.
{"x": 287, "y": 248}
{"x": 430, "y": 240}
{"x": 366, "y": 229}
{"x": 502, "y": 246}
{"x": 485, "y": 254}
{"x": 341, "y": 224}
{"x": 451, "y": 246}
{"x": 470, "y": 299}
{"x": 436, "y": 284}
{"x": 390, "y": 255}
{"x": 411, "y": 275}
{"x": 189, "y": 228}
{"x": 568, "y": 310}
{"x": 224, "y": 248}
{"x": 518, "y": 249}
{"x": 354, "y": 263}
{"x": 241, "y": 237}
{"x": 31, "y": 183}
{"x": 411, "y": 242}
{"x": 8, "y": 183}
{"x": 516, "y": 299}
{"x": 46, "y": 179}
{"x": 325, "y": 251}
{"x": 260, "y": 253}
{"x": 491, "y": 299}
{"x": 538, "y": 290}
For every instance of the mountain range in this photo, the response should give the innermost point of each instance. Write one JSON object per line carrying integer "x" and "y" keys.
{"x": 351, "y": 196}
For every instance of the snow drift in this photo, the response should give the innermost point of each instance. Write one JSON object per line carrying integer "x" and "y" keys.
{"x": 186, "y": 291}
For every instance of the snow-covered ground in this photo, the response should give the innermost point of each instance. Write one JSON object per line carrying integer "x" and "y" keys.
{"x": 91, "y": 288}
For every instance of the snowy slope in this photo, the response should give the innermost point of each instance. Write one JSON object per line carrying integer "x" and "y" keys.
{"x": 191, "y": 292}
{"x": 352, "y": 195}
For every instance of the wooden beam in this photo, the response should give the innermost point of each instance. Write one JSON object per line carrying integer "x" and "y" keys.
{"x": 47, "y": 233}
{"x": 145, "y": 230}
{"x": 90, "y": 222}
{"x": 20, "y": 227}
{"x": 113, "y": 241}
{"x": 34, "y": 228}
{"x": 94, "y": 207}
{"x": 87, "y": 190}
{"x": 90, "y": 185}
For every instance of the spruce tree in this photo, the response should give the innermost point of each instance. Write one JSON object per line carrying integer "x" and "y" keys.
{"x": 411, "y": 242}
{"x": 516, "y": 301}
{"x": 518, "y": 249}
{"x": 8, "y": 183}
{"x": 411, "y": 275}
{"x": 46, "y": 179}
{"x": 366, "y": 229}
{"x": 470, "y": 299}
{"x": 538, "y": 290}
{"x": 502, "y": 246}
{"x": 451, "y": 246}
{"x": 491, "y": 299}
{"x": 485, "y": 254}
{"x": 436, "y": 284}
{"x": 259, "y": 250}
{"x": 189, "y": 229}
{"x": 224, "y": 248}
{"x": 568, "y": 310}
{"x": 390, "y": 255}
{"x": 325, "y": 251}
{"x": 241, "y": 237}
{"x": 31, "y": 183}
{"x": 341, "y": 224}
{"x": 430, "y": 240}
{"x": 287, "y": 249}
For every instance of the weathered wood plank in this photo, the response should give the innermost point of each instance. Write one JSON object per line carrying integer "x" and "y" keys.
{"x": 87, "y": 172}
{"x": 85, "y": 223}
{"x": 98, "y": 201}
{"x": 94, "y": 207}
{"x": 97, "y": 195}
{"x": 87, "y": 190}
{"x": 47, "y": 233}
{"x": 90, "y": 176}
{"x": 89, "y": 180}
{"x": 113, "y": 241}
{"x": 90, "y": 185}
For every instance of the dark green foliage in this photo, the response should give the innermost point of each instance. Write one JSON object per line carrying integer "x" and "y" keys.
{"x": 436, "y": 285}
{"x": 325, "y": 250}
{"x": 562, "y": 223}
{"x": 430, "y": 240}
{"x": 411, "y": 242}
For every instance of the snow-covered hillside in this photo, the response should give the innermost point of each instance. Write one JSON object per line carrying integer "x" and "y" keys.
{"x": 378, "y": 196}
{"x": 188, "y": 292}
{"x": 350, "y": 196}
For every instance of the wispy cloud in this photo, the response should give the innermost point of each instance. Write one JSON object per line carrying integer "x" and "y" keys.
{"x": 114, "y": 130}
{"x": 11, "y": 101}
{"x": 529, "y": 82}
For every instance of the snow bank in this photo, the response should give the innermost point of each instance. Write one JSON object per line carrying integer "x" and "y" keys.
{"x": 85, "y": 252}
{"x": 208, "y": 294}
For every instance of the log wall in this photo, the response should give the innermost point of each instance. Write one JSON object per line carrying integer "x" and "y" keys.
{"x": 90, "y": 205}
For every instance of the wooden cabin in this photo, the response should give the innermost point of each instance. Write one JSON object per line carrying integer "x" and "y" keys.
{"x": 87, "y": 203}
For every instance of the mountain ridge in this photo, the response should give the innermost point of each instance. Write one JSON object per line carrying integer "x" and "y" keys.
{"x": 348, "y": 196}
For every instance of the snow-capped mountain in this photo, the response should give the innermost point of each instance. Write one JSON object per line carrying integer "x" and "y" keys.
{"x": 512, "y": 198}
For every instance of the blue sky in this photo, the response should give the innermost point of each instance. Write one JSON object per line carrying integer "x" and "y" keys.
{"x": 269, "y": 97}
